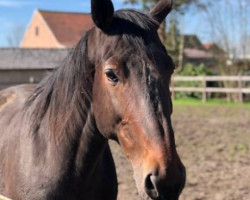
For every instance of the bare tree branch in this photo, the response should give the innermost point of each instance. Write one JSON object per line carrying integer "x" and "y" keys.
{"x": 15, "y": 36}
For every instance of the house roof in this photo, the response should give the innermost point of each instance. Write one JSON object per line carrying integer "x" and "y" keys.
{"x": 192, "y": 41}
{"x": 214, "y": 49}
{"x": 197, "y": 54}
{"x": 207, "y": 46}
{"x": 23, "y": 59}
{"x": 68, "y": 28}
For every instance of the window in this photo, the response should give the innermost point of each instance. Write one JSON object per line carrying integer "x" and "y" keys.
{"x": 37, "y": 31}
{"x": 31, "y": 79}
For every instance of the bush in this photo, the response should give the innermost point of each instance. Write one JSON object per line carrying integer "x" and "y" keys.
{"x": 191, "y": 70}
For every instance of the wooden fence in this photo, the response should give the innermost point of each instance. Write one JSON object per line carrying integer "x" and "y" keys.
{"x": 204, "y": 89}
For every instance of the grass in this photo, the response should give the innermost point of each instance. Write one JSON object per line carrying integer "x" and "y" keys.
{"x": 210, "y": 102}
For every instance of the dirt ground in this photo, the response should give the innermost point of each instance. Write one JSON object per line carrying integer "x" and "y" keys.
{"x": 214, "y": 144}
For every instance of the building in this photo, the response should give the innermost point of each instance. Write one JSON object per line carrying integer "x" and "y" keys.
{"x": 197, "y": 53}
{"x": 193, "y": 42}
{"x": 214, "y": 48}
{"x": 49, "y": 29}
{"x": 20, "y": 66}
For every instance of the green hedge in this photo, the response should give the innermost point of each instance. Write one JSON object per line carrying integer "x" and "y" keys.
{"x": 191, "y": 70}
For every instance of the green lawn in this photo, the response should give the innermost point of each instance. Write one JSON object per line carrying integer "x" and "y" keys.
{"x": 213, "y": 102}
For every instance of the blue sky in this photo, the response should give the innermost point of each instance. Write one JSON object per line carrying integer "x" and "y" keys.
{"x": 15, "y": 13}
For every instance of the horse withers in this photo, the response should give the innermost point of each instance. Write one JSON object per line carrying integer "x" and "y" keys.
{"x": 113, "y": 85}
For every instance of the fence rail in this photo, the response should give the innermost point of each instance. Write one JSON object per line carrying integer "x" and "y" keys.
{"x": 240, "y": 90}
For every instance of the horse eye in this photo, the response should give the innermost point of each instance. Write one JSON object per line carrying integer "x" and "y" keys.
{"x": 111, "y": 76}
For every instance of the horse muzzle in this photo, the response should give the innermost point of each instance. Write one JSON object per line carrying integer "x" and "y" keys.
{"x": 158, "y": 187}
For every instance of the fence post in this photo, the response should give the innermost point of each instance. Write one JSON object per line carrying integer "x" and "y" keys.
{"x": 204, "y": 85}
{"x": 240, "y": 89}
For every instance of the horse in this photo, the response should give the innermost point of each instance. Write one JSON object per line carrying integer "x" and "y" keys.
{"x": 113, "y": 85}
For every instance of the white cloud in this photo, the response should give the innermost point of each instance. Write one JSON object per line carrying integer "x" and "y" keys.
{"x": 11, "y": 3}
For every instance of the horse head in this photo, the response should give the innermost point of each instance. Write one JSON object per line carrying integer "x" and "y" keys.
{"x": 131, "y": 97}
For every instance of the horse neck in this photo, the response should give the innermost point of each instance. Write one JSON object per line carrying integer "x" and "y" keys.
{"x": 73, "y": 152}
{"x": 90, "y": 148}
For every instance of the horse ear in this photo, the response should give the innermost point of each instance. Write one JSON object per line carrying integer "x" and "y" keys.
{"x": 102, "y": 12}
{"x": 161, "y": 10}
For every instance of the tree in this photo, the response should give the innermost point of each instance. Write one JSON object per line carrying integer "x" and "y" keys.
{"x": 15, "y": 36}
{"x": 229, "y": 26}
{"x": 179, "y": 5}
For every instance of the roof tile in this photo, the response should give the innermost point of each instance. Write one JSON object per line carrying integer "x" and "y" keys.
{"x": 23, "y": 59}
{"x": 68, "y": 28}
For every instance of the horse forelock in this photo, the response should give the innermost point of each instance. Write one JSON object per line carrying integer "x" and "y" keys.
{"x": 134, "y": 33}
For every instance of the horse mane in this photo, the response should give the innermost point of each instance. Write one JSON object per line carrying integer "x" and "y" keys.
{"x": 65, "y": 94}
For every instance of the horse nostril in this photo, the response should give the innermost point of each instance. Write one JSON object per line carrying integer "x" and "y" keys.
{"x": 150, "y": 187}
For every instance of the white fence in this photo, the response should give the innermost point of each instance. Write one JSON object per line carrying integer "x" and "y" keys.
{"x": 240, "y": 90}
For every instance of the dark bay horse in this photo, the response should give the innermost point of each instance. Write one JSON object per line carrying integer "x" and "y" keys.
{"x": 113, "y": 85}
